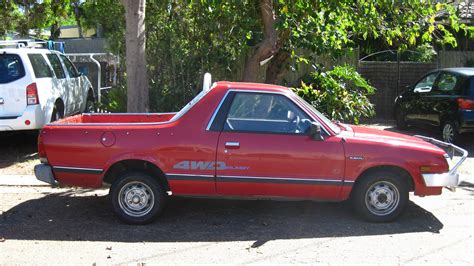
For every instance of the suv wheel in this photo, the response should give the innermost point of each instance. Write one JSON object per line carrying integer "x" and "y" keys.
{"x": 450, "y": 132}
{"x": 90, "y": 105}
{"x": 137, "y": 198}
{"x": 380, "y": 196}
{"x": 400, "y": 119}
{"x": 57, "y": 114}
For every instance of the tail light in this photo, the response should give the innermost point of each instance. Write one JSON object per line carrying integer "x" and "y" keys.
{"x": 41, "y": 150}
{"x": 32, "y": 94}
{"x": 466, "y": 104}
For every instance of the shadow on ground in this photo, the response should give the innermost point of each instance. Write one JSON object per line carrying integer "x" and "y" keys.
{"x": 69, "y": 216}
{"x": 17, "y": 147}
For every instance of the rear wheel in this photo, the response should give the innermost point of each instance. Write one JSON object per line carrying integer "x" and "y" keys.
{"x": 450, "y": 132}
{"x": 57, "y": 113}
{"x": 90, "y": 106}
{"x": 400, "y": 119}
{"x": 380, "y": 196}
{"x": 137, "y": 198}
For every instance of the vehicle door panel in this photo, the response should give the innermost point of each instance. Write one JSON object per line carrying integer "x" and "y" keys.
{"x": 277, "y": 161}
{"x": 417, "y": 109}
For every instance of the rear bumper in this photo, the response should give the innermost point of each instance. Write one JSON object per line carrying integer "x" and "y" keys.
{"x": 32, "y": 113}
{"x": 44, "y": 172}
{"x": 467, "y": 121}
{"x": 451, "y": 178}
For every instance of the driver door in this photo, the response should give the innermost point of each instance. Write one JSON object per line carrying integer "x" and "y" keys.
{"x": 416, "y": 106}
{"x": 264, "y": 150}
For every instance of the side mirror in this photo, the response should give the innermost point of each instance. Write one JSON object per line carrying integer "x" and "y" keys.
{"x": 315, "y": 131}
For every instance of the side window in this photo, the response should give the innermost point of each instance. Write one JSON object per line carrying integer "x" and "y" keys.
{"x": 262, "y": 112}
{"x": 11, "y": 68}
{"x": 70, "y": 67}
{"x": 447, "y": 84}
{"x": 40, "y": 67}
{"x": 426, "y": 84}
{"x": 56, "y": 64}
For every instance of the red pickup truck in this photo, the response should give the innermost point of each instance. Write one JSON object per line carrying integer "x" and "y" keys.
{"x": 242, "y": 140}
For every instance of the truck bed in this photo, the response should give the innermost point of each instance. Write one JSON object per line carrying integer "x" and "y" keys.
{"x": 107, "y": 118}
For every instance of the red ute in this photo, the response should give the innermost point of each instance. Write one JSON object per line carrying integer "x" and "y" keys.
{"x": 242, "y": 140}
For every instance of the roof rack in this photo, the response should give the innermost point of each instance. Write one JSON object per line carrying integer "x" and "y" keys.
{"x": 28, "y": 43}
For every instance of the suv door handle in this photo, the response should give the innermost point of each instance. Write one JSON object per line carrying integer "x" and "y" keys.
{"x": 232, "y": 144}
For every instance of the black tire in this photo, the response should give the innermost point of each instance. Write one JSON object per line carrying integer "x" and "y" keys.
{"x": 90, "y": 106}
{"x": 449, "y": 132}
{"x": 380, "y": 196}
{"x": 57, "y": 113}
{"x": 400, "y": 119}
{"x": 130, "y": 191}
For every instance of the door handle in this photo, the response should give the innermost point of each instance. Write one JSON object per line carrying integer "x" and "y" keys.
{"x": 232, "y": 144}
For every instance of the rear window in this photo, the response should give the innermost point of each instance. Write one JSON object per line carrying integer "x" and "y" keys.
{"x": 11, "y": 68}
{"x": 40, "y": 67}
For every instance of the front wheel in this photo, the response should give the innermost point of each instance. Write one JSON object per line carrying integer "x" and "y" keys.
{"x": 400, "y": 119}
{"x": 137, "y": 198}
{"x": 380, "y": 196}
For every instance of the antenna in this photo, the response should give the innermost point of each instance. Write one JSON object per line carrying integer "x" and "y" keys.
{"x": 206, "y": 85}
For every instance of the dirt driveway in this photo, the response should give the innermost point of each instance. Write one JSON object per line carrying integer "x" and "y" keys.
{"x": 40, "y": 225}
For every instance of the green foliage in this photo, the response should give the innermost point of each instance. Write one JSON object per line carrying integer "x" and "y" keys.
{"x": 187, "y": 38}
{"x": 340, "y": 93}
{"x": 423, "y": 53}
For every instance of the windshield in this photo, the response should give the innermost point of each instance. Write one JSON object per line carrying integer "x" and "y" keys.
{"x": 189, "y": 105}
{"x": 326, "y": 120}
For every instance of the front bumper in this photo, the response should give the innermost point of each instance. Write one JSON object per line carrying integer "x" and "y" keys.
{"x": 451, "y": 178}
{"x": 44, "y": 172}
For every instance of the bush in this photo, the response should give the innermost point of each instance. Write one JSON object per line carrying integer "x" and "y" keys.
{"x": 340, "y": 94}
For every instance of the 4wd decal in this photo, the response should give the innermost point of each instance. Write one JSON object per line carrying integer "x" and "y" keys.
{"x": 206, "y": 165}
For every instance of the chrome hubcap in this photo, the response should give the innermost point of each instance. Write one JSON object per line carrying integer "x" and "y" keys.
{"x": 136, "y": 199}
{"x": 382, "y": 198}
{"x": 448, "y": 133}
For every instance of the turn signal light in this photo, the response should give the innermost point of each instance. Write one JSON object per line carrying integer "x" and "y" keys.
{"x": 425, "y": 169}
{"x": 465, "y": 104}
{"x": 32, "y": 94}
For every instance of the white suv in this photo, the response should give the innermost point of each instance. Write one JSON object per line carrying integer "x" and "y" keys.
{"x": 38, "y": 86}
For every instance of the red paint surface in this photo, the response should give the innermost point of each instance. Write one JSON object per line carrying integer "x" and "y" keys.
{"x": 77, "y": 142}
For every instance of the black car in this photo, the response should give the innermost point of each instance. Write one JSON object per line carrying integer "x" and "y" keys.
{"x": 442, "y": 99}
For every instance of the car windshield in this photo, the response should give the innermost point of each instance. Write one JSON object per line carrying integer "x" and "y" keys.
{"x": 326, "y": 120}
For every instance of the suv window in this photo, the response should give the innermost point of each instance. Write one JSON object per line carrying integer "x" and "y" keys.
{"x": 40, "y": 67}
{"x": 70, "y": 67}
{"x": 426, "y": 84}
{"x": 447, "y": 84}
{"x": 11, "y": 68}
{"x": 262, "y": 112}
{"x": 57, "y": 67}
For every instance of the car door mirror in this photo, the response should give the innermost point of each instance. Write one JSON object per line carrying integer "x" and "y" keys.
{"x": 422, "y": 89}
{"x": 315, "y": 131}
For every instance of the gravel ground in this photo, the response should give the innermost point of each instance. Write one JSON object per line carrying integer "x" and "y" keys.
{"x": 42, "y": 225}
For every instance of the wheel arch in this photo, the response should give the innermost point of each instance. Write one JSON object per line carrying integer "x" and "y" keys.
{"x": 402, "y": 172}
{"x": 121, "y": 166}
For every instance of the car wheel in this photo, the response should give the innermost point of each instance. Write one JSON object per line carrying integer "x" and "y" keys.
{"x": 90, "y": 105}
{"x": 450, "y": 133}
{"x": 137, "y": 198}
{"x": 57, "y": 114}
{"x": 380, "y": 196}
{"x": 400, "y": 119}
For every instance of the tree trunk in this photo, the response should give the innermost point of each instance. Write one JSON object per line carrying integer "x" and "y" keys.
{"x": 137, "y": 80}
{"x": 77, "y": 15}
{"x": 266, "y": 48}
{"x": 276, "y": 67}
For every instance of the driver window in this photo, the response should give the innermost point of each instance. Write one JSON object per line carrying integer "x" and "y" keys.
{"x": 263, "y": 112}
{"x": 426, "y": 84}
